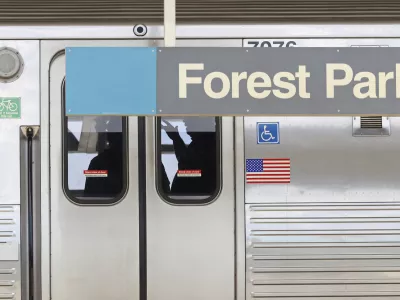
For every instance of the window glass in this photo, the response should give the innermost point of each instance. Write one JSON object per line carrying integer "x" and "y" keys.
{"x": 188, "y": 159}
{"x": 95, "y": 159}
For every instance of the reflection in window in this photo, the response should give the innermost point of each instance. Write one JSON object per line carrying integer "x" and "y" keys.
{"x": 95, "y": 159}
{"x": 189, "y": 159}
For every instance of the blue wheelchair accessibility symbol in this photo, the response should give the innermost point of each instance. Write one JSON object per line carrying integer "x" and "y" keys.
{"x": 268, "y": 133}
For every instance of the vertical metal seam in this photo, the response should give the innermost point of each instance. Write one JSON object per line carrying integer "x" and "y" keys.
{"x": 142, "y": 207}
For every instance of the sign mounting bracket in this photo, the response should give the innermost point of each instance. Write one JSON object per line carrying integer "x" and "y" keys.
{"x": 169, "y": 23}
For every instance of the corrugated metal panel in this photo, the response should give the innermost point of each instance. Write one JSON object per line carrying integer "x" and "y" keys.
{"x": 318, "y": 251}
{"x": 196, "y": 11}
{"x": 10, "y": 241}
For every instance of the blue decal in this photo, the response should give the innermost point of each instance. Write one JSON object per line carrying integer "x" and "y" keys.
{"x": 268, "y": 133}
{"x": 111, "y": 81}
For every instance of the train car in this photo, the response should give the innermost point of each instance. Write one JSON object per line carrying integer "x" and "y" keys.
{"x": 90, "y": 207}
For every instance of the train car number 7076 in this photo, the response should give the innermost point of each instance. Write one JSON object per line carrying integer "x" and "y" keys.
{"x": 269, "y": 43}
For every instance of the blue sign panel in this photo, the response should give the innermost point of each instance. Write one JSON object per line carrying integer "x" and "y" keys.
{"x": 268, "y": 133}
{"x": 111, "y": 81}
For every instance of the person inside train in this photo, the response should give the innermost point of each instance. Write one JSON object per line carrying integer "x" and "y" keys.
{"x": 72, "y": 142}
{"x": 109, "y": 158}
{"x": 199, "y": 155}
{"x": 165, "y": 180}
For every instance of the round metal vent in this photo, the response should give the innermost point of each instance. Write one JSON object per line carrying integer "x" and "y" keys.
{"x": 11, "y": 65}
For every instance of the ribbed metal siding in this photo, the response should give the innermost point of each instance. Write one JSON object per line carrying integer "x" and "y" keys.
{"x": 323, "y": 251}
{"x": 196, "y": 11}
{"x": 10, "y": 271}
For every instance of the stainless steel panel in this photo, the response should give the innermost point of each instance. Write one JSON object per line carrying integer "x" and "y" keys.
{"x": 94, "y": 250}
{"x": 26, "y": 87}
{"x": 240, "y": 226}
{"x": 317, "y": 250}
{"x": 45, "y": 58}
{"x": 191, "y": 249}
{"x": 234, "y": 30}
{"x": 328, "y": 164}
{"x": 334, "y": 231}
{"x": 303, "y": 41}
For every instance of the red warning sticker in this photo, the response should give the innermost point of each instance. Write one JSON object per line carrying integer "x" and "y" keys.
{"x": 95, "y": 173}
{"x": 189, "y": 173}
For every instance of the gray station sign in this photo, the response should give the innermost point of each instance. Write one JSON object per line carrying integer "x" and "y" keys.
{"x": 259, "y": 81}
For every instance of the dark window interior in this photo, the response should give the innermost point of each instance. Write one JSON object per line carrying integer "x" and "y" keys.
{"x": 188, "y": 159}
{"x": 95, "y": 159}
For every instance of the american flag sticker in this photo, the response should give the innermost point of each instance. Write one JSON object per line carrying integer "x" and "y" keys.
{"x": 268, "y": 170}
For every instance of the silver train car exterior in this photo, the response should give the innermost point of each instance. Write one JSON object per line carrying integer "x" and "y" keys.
{"x": 332, "y": 232}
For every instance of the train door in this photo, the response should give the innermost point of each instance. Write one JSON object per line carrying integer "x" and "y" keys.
{"x": 191, "y": 204}
{"x": 94, "y": 199}
{"x": 322, "y": 201}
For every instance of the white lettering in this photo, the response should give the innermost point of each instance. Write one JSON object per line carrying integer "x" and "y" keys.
{"x": 258, "y": 84}
{"x": 370, "y": 84}
{"x": 252, "y": 84}
{"x": 383, "y": 78}
{"x": 397, "y": 80}
{"x": 285, "y": 85}
{"x": 302, "y": 75}
{"x": 331, "y": 82}
{"x": 236, "y": 78}
{"x": 225, "y": 85}
{"x": 184, "y": 80}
